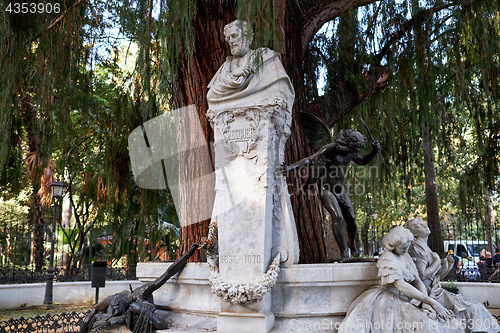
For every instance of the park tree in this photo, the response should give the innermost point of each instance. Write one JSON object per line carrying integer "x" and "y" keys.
{"x": 405, "y": 66}
{"x": 66, "y": 112}
{"x": 40, "y": 58}
{"x": 406, "y": 46}
{"x": 288, "y": 27}
{"x": 436, "y": 109}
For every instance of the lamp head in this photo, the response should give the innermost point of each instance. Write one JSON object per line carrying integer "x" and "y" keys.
{"x": 57, "y": 188}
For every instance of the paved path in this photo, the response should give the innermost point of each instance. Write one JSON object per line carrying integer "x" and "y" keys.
{"x": 186, "y": 323}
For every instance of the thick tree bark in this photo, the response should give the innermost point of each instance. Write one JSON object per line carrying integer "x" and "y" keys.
{"x": 38, "y": 228}
{"x": 318, "y": 12}
{"x": 190, "y": 87}
{"x": 431, "y": 199}
{"x": 306, "y": 206}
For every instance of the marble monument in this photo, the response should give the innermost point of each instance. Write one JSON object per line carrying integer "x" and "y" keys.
{"x": 431, "y": 269}
{"x": 400, "y": 303}
{"x": 409, "y": 297}
{"x": 250, "y": 101}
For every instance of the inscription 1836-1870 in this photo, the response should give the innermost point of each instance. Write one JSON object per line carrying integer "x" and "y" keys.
{"x": 243, "y": 259}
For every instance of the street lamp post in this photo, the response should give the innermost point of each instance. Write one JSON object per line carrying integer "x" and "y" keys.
{"x": 57, "y": 188}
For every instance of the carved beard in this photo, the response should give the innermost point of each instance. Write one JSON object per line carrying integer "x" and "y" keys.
{"x": 241, "y": 49}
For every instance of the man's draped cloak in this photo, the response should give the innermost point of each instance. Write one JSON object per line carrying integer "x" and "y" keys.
{"x": 268, "y": 82}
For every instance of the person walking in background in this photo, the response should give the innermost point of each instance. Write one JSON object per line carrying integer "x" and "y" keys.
{"x": 496, "y": 257}
{"x": 481, "y": 265}
{"x": 462, "y": 262}
{"x": 489, "y": 264}
{"x": 481, "y": 254}
{"x": 456, "y": 262}
{"x": 464, "y": 259}
{"x": 489, "y": 260}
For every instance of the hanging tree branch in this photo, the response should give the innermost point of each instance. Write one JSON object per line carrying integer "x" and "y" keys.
{"x": 329, "y": 104}
{"x": 417, "y": 19}
{"x": 56, "y": 20}
{"x": 316, "y": 13}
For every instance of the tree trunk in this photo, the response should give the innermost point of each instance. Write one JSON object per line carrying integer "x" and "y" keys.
{"x": 190, "y": 88}
{"x": 38, "y": 228}
{"x": 65, "y": 224}
{"x": 488, "y": 218}
{"x": 297, "y": 21}
{"x": 431, "y": 199}
{"x": 364, "y": 236}
{"x": 66, "y": 212}
{"x": 306, "y": 206}
{"x": 35, "y": 164}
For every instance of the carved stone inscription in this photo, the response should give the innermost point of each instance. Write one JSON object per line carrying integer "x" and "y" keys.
{"x": 240, "y": 130}
{"x": 240, "y": 141}
{"x": 240, "y": 134}
{"x": 241, "y": 259}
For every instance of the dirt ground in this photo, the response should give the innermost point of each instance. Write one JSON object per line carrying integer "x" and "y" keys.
{"x": 33, "y": 311}
{"x": 495, "y": 312}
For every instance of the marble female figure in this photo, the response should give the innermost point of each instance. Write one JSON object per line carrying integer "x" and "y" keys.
{"x": 400, "y": 303}
{"x": 432, "y": 269}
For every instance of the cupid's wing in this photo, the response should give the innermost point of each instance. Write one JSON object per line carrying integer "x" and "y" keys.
{"x": 316, "y": 130}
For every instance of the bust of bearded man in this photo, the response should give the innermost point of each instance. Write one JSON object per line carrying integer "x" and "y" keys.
{"x": 248, "y": 77}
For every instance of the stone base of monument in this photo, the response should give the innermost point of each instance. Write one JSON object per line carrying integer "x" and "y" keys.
{"x": 305, "y": 298}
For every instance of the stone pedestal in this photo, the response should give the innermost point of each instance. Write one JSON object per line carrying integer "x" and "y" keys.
{"x": 248, "y": 318}
{"x": 252, "y": 209}
{"x": 250, "y": 101}
{"x": 306, "y": 298}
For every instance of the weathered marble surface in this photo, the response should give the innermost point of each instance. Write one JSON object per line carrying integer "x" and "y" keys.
{"x": 194, "y": 308}
{"x": 296, "y": 294}
{"x": 250, "y": 102}
{"x": 261, "y": 86}
{"x": 401, "y": 302}
{"x": 432, "y": 269}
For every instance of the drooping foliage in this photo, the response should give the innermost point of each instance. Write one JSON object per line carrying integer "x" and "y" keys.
{"x": 74, "y": 84}
{"x": 71, "y": 91}
{"x": 443, "y": 64}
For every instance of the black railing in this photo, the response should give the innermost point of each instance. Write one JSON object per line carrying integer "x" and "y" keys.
{"x": 29, "y": 275}
{"x": 473, "y": 274}
{"x": 21, "y": 275}
{"x": 57, "y": 323}
{"x": 24, "y": 258}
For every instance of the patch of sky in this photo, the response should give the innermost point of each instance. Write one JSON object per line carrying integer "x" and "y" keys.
{"x": 379, "y": 22}
{"x": 328, "y": 30}
{"x": 105, "y": 34}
